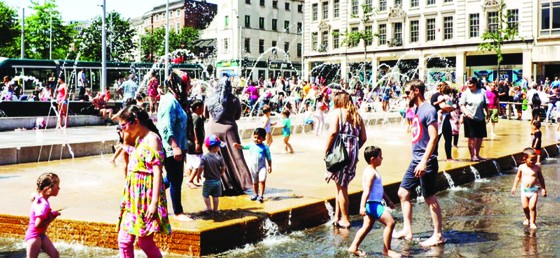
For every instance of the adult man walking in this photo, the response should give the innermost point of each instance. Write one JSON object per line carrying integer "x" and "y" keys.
{"x": 423, "y": 168}
{"x": 82, "y": 82}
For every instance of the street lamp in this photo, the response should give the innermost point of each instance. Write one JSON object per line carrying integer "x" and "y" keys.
{"x": 103, "y": 49}
{"x": 239, "y": 45}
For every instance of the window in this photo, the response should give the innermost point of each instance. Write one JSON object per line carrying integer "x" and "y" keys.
{"x": 448, "y": 27}
{"x": 226, "y": 45}
{"x": 550, "y": 17}
{"x": 382, "y": 34}
{"x": 324, "y": 40}
{"x": 382, "y": 5}
{"x": 325, "y": 10}
{"x": 474, "y": 24}
{"x": 226, "y": 22}
{"x": 369, "y": 3}
{"x": 177, "y": 28}
{"x": 300, "y": 8}
{"x": 262, "y": 3}
{"x": 492, "y": 22}
{"x": 261, "y": 46}
{"x": 414, "y": 3}
{"x": 248, "y": 45}
{"x": 314, "y": 12}
{"x": 431, "y": 29}
{"x": 355, "y": 6}
{"x": 248, "y": 1}
{"x": 398, "y": 2}
{"x": 261, "y": 23}
{"x": 448, "y": 1}
{"x": 178, "y": 13}
{"x": 314, "y": 41}
{"x": 298, "y": 49}
{"x": 247, "y": 21}
{"x": 336, "y": 39}
{"x": 430, "y": 2}
{"x": 286, "y": 26}
{"x": 274, "y": 51}
{"x": 397, "y": 34}
{"x": 274, "y": 24}
{"x": 287, "y": 6}
{"x": 275, "y": 4}
{"x": 299, "y": 28}
{"x": 368, "y": 30}
{"x": 336, "y": 8}
{"x": 513, "y": 18}
{"x": 414, "y": 31}
{"x": 353, "y": 43}
{"x": 286, "y": 47}
{"x": 157, "y": 17}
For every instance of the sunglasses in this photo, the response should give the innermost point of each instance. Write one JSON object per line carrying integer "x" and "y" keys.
{"x": 125, "y": 125}
{"x": 407, "y": 92}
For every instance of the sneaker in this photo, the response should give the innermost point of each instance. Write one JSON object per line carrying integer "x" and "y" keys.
{"x": 261, "y": 199}
{"x": 254, "y": 198}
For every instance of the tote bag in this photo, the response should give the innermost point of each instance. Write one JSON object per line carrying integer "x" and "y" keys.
{"x": 337, "y": 157}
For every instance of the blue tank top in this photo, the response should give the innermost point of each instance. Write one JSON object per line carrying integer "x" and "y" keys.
{"x": 376, "y": 190}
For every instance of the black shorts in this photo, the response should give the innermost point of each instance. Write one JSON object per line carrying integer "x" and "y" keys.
{"x": 427, "y": 182}
{"x": 474, "y": 128}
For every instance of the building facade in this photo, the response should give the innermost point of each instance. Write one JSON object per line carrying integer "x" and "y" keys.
{"x": 156, "y": 18}
{"x": 258, "y": 38}
{"x": 431, "y": 39}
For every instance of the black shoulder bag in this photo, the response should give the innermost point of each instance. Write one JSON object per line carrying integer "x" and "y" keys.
{"x": 337, "y": 157}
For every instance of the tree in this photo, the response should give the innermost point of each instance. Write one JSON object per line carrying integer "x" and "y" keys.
{"x": 353, "y": 38}
{"x": 9, "y": 29}
{"x": 37, "y": 32}
{"x": 495, "y": 36}
{"x": 119, "y": 39}
{"x": 153, "y": 43}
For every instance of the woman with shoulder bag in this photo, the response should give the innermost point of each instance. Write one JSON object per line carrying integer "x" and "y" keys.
{"x": 347, "y": 124}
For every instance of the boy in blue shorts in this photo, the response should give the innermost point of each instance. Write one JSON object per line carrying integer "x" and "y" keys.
{"x": 260, "y": 157}
{"x": 213, "y": 166}
{"x": 371, "y": 207}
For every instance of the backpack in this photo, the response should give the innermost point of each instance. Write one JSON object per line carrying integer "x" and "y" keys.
{"x": 536, "y": 99}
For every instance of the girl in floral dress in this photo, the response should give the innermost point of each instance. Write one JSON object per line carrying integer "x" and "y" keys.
{"x": 143, "y": 209}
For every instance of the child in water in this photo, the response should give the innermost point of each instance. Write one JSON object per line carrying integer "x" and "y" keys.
{"x": 41, "y": 217}
{"x": 532, "y": 180}
{"x": 287, "y": 131}
{"x": 267, "y": 124}
{"x": 371, "y": 207}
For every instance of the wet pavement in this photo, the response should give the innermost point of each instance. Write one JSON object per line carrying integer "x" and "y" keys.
{"x": 91, "y": 186}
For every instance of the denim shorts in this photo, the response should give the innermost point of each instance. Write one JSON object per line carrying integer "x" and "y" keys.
{"x": 427, "y": 182}
{"x": 212, "y": 188}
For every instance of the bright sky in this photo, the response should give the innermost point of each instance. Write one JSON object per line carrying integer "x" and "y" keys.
{"x": 81, "y": 10}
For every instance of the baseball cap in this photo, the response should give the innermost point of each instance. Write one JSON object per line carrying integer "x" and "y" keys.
{"x": 213, "y": 140}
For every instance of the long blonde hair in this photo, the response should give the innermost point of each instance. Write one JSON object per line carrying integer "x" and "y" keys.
{"x": 342, "y": 100}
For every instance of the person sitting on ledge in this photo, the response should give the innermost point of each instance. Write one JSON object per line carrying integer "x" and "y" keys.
{"x": 100, "y": 106}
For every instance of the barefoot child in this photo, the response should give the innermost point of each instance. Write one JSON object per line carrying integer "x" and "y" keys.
{"x": 213, "y": 166}
{"x": 267, "y": 124}
{"x": 531, "y": 178}
{"x": 287, "y": 131}
{"x": 41, "y": 216}
{"x": 371, "y": 207}
{"x": 195, "y": 140}
{"x": 258, "y": 168}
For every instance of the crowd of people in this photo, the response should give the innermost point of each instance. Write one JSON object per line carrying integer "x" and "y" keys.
{"x": 163, "y": 139}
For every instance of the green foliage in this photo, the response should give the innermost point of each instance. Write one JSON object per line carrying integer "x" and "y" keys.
{"x": 353, "y": 38}
{"x": 119, "y": 39}
{"x": 153, "y": 43}
{"x": 494, "y": 40}
{"x": 9, "y": 29}
{"x": 37, "y": 32}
